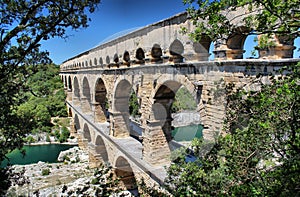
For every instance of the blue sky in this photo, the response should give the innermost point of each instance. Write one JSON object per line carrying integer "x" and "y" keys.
{"x": 115, "y": 16}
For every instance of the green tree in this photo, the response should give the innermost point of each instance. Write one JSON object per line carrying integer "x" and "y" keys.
{"x": 212, "y": 18}
{"x": 259, "y": 155}
{"x": 24, "y": 24}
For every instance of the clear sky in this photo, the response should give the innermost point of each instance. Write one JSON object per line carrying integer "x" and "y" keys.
{"x": 115, "y": 16}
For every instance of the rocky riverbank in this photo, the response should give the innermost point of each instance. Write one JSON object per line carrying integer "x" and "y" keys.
{"x": 71, "y": 177}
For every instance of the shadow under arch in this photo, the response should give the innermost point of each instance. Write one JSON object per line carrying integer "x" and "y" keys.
{"x": 236, "y": 41}
{"x": 176, "y": 50}
{"x": 87, "y": 133}
{"x": 76, "y": 123}
{"x": 101, "y": 149}
{"x": 124, "y": 172}
{"x": 69, "y": 83}
{"x": 101, "y": 111}
{"x": 156, "y": 54}
{"x": 76, "y": 92}
{"x": 140, "y": 56}
{"x": 86, "y": 99}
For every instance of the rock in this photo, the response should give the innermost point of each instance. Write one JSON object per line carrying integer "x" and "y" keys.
{"x": 73, "y": 155}
{"x": 185, "y": 118}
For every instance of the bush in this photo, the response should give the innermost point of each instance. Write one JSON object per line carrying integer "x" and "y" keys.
{"x": 45, "y": 172}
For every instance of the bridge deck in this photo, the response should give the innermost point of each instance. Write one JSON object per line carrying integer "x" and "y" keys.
{"x": 128, "y": 146}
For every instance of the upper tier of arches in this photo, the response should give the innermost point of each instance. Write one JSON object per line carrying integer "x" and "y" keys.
{"x": 163, "y": 42}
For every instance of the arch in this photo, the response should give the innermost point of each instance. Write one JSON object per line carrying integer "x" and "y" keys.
{"x": 125, "y": 173}
{"x": 76, "y": 123}
{"x": 203, "y": 48}
{"x": 86, "y": 64}
{"x": 156, "y": 53}
{"x": 86, "y": 95}
{"x": 126, "y": 56}
{"x": 249, "y": 47}
{"x": 236, "y": 41}
{"x": 91, "y": 62}
{"x": 64, "y": 79}
{"x": 95, "y": 61}
{"x": 122, "y": 95}
{"x": 107, "y": 60}
{"x": 176, "y": 48}
{"x": 101, "y": 148}
{"x": 140, "y": 54}
{"x": 69, "y": 83}
{"x": 116, "y": 58}
{"x": 87, "y": 133}
{"x": 76, "y": 88}
{"x": 100, "y": 61}
{"x": 70, "y": 113}
{"x": 120, "y": 124}
{"x": 101, "y": 111}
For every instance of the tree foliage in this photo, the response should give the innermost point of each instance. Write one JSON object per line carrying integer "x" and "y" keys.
{"x": 24, "y": 24}
{"x": 213, "y": 18}
{"x": 259, "y": 155}
{"x": 45, "y": 98}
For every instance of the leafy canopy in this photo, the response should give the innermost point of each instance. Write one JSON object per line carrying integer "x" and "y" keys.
{"x": 259, "y": 155}
{"x": 213, "y": 18}
{"x": 24, "y": 24}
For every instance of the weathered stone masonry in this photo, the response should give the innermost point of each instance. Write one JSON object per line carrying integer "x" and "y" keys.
{"x": 155, "y": 62}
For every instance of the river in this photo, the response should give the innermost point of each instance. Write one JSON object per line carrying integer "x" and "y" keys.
{"x": 35, "y": 153}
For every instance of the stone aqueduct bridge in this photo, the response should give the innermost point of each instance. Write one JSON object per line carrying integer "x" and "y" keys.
{"x": 155, "y": 62}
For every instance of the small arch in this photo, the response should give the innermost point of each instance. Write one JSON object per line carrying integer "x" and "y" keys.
{"x": 249, "y": 47}
{"x": 236, "y": 41}
{"x": 125, "y": 173}
{"x": 116, "y": 58}
{"x": 156, "y": 53}
{"x": 70, "y": 83}
{"x": 91, "y": 62}
{"x": 87, "y": 133}
{"x": 86, "y": 64}
{"x": 76, "y": 123}
{"x": 176, "y": 50}
{"x": 126, "y": 56}
{"x": 107, "y": 60}
{"x": 100, "y": 61}
{"x": 95, "y": 61}
{"x": 140, "y": 54}
{"x": 101, "y": 148}
{"x": 202, "y": 48}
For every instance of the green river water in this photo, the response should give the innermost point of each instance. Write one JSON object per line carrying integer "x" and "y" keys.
{"x": 46, "y": 153}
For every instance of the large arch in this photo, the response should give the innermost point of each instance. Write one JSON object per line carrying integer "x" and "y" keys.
{"x": 125, "y": 173}
{"x": 86, "y": 98}
{"x": 158, "y": 130}
{"x": 101, "y": 112}
{"x": 101, "y": 148}
{"x": 120, "y": 114}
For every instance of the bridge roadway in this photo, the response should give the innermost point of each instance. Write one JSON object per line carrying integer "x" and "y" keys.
{"x": 130, "y": 147}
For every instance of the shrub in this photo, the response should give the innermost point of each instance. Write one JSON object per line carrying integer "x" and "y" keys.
{"x": 45, "y": 172}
